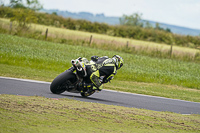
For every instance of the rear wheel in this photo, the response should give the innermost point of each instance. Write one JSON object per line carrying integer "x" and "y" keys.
{"x": 60, "y": 83}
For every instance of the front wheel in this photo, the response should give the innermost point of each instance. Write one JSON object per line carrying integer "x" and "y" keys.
{"x": 60, "y": 83}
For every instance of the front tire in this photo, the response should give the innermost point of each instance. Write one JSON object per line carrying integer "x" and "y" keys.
{"x": 60, "y": 83}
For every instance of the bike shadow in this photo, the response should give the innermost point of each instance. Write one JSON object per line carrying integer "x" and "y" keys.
{"x": 89, "y": 99}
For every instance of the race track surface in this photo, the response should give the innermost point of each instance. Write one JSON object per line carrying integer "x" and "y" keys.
{"x": 31, "y": 88}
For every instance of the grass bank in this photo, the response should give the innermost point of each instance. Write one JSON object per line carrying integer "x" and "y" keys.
{"x": 38, "y": 114}
{"x": 42, "y": 60}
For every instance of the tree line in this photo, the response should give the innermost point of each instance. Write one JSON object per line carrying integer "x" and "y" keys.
{"x": 130, "y": 26}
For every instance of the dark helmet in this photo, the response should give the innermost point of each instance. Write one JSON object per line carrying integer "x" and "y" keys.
{"x": 118, "y": 61}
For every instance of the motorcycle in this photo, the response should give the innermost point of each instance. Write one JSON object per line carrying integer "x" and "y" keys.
{"x": 74, "y": 79}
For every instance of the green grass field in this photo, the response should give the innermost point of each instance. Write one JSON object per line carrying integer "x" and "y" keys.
{"x": 27, "y": 58}
{"x": 44, "y": 115}
{"x": 41, "y": 60}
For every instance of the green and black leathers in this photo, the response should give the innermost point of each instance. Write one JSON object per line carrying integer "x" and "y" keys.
{"x": 101, "y": 70}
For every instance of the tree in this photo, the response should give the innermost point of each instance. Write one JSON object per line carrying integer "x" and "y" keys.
{"x": 34, "y": 5}
{"x": 30, "y": 4}
{"x": 160, "y": 28}
{"x": 24, "y": 17}
{"x": 148, "y": 25}
{"x": 168, "y": 30}
{"x": 55, "y": 13}
{"x": 16, "y": 4}
{"x": 132, "y": 20}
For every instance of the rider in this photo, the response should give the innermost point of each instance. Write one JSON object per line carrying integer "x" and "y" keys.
{"x": 101, "y": 69}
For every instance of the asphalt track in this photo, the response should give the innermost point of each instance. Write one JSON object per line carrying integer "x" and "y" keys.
{"x": 31, "y": 88}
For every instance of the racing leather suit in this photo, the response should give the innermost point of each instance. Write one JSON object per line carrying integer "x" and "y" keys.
{"x": 101, "y": 70}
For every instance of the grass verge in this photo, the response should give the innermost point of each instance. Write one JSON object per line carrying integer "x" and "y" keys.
{"x": 39, "y": 114}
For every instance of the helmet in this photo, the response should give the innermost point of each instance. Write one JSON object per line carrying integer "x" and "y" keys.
{"x": 118, "y": 61}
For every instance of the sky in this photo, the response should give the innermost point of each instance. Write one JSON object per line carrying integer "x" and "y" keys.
{"x": 184, "y": 13}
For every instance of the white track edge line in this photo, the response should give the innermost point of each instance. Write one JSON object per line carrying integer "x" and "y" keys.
{"x": 149, "y": 96}
{"x": 26, "y": 80}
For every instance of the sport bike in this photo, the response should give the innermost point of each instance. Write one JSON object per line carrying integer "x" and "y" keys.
{"x": 75, "y": 79}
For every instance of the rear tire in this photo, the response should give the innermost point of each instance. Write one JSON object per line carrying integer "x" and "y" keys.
{"x": 59, "y": 84}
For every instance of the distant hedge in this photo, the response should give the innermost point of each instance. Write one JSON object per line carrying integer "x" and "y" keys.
{"x": 147, "y": 34}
